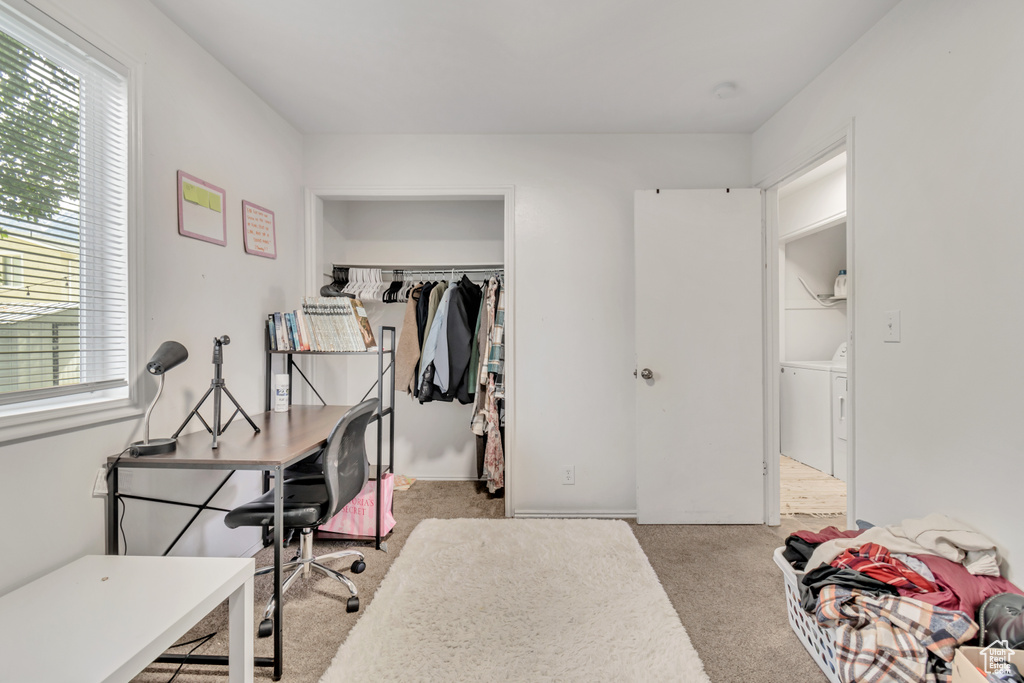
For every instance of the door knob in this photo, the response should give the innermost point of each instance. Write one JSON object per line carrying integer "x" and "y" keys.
{"x": 646, "y": 373}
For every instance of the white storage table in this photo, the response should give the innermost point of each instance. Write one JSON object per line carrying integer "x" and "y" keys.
{"x": 107, "y": 617}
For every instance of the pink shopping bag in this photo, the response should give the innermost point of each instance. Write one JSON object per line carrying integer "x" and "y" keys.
{"x": 359, "y": 517}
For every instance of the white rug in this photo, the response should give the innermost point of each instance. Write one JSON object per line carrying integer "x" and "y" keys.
{"x": 519, "y": 600}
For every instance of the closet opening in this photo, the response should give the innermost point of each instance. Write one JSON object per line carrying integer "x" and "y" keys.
{"x": 809, "y": 357}
{"x": 387, "y": 248}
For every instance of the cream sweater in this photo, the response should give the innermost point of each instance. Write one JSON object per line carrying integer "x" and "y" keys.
{"x": 932, "y": 535}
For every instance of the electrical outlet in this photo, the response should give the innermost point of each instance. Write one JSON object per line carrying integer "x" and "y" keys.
{"x": 569, "y": 475}
{"x": 99, "y": 485}
{"x": 892, "y": 326}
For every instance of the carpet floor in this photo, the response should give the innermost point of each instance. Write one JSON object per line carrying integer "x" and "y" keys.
{"x": 720, "y": 579}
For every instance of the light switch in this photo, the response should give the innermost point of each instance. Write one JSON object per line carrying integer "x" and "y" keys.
{"x": 892, "y": 326}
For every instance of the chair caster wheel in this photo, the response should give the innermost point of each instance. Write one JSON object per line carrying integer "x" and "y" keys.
{"x": 352, "y": 605}
{"x": 358, "y": 567}
{"x": 265, "y": 629}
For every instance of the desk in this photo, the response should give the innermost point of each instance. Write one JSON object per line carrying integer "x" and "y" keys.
{"x": 106, "y": 618}
{"x": 284, "y": 439}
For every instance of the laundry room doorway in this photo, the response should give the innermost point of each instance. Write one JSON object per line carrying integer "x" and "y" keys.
{"x": 809, "y": 322}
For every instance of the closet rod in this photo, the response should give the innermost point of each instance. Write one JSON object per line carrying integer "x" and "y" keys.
{"x": 428, "y": 269}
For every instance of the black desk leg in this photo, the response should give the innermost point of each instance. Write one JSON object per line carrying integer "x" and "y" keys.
{"x": 278, "y": 552}
{"x": 112, "y": 547}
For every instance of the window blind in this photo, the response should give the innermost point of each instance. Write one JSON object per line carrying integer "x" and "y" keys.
{"x": 63, "y": 217}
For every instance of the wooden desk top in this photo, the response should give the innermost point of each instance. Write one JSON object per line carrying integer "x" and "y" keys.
{"x": 283, "y": 439}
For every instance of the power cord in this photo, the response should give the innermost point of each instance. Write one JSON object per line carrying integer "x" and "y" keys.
{"x": 203, "y": 640}
{"x": 124, "y": 507}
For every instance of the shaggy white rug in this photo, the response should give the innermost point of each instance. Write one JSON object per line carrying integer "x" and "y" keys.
{"x": 519, "y": 600}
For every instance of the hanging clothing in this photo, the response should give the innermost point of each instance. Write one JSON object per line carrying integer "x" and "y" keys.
{"x": 422, "y": 316}
{"x": 453, "y": 325}
{"x": 407, "y": 354}
{"x": 478, "y": 423}
{"x": 474, "y": 358}
{"x": 496, "y": 354}
{"x": 430, "y": 345}
{"x": 494, "y": 455}
{"x": 462, "y": 314}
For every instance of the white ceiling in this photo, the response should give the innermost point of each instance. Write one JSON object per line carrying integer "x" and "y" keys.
{"x": 525, "y": 66}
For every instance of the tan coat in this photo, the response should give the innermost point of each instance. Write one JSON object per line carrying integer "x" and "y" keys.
{"x": 408, "y": 352}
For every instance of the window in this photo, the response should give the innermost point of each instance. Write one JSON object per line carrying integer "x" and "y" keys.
{"x": 64, "y": 323}
{"x": 11, "y": 274}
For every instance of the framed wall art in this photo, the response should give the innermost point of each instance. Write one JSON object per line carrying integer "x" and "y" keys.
{"x": 259, "y": 230}
{"x": 201, "y": 208}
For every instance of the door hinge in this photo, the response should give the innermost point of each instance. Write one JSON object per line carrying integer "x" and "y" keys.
{"x": 764, "y": 469}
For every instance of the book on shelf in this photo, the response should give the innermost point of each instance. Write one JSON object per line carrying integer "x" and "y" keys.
{"x": 271, "y": 333}
{"x": 307, "y": 341}
{"x": 282, "y": 345}
{"x": 322, "y": 324}
{"x": 363, "y": 324}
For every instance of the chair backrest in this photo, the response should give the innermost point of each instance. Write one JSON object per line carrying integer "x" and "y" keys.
{"x": 344, "y": 456}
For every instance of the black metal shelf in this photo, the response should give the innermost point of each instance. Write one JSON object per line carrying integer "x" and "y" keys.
{"x": 382, "y": 410}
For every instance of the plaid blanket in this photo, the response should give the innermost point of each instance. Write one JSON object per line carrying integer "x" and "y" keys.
{"x": 875, "y": 561}
{"x": 891, "y": 639}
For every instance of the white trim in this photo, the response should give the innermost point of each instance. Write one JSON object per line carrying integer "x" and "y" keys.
{"x": 851, "y": 352}
{"x": 774, "y": 324}
{"x": 313, "y": 237}
{"x": 564, "y": 514}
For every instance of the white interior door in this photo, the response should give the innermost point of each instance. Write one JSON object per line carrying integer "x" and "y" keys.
{"x": 699, "y": 417}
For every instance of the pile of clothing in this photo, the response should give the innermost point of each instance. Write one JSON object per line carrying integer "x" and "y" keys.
{"x": 900, "y": 597}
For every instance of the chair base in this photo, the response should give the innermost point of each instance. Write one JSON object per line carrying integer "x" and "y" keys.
{"x": 305, "y": 562}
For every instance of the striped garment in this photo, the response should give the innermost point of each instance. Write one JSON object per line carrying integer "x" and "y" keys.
{"x": 496, "y": 353}
{"x": 875, "y": 561}
{"x": 891, "y": 639}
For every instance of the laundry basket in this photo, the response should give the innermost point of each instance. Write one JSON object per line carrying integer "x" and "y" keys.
{"x": 819, "y": 641}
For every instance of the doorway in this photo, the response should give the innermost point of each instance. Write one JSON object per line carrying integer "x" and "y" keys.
{"x": 421, "y": 234}
{"x": 809, "y": 332}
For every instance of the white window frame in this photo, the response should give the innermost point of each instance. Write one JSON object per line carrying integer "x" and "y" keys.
{"x": 49, "y": 416}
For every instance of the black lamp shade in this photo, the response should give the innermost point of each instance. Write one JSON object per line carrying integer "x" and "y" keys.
{"x": 171, "y": 354}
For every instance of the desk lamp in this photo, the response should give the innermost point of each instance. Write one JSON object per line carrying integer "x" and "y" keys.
{"x": 171, "y": 354}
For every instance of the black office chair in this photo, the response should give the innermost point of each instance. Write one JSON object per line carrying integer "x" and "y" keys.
{"x": 311, "y": 500}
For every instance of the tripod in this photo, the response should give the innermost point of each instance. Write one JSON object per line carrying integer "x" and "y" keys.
{"x": 216, "y": 387}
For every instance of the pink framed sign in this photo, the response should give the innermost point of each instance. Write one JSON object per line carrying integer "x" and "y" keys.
{"x": 260, "y": 233}
{"x": 201, "y": 210}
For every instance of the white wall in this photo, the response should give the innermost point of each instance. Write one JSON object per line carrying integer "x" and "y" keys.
{"x": 813, "y": 332}
{"x": 196, "y": 117}
{"x": 936, "y": 92}
{"x": 432, "y": 440}
{"x": 574, "y": 278}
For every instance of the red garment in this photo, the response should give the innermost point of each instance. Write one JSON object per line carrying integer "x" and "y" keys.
{"x": 875, "y": 561}
{"x": 958, "y": 588}
{"x": 826, "y": 534}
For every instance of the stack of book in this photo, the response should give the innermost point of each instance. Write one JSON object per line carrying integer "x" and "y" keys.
{"x": 323, "y": 324}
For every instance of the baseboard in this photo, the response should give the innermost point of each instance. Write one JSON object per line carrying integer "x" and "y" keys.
{"x": 413, "y": 476}
{"x": 604, "y": 514}
{"x": 253, "y": 549}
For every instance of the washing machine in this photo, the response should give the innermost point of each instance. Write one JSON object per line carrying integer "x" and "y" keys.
{"x": 840, "y": 411}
